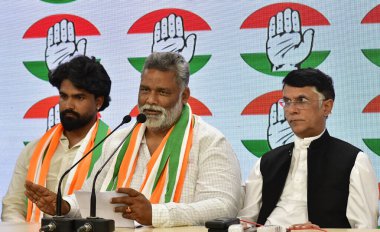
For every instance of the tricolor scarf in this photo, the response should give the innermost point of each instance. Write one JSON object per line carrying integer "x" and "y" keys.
{"x": 166, "y": 169}
{"x": 45, "y": 150}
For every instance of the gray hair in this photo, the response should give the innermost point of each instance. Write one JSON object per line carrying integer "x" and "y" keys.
{"x": 169, "y": 61}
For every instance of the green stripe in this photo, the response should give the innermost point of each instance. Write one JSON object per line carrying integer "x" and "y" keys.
{"x": 196, "y": 63}
{"x": 260, "y": 62}
{"x": 373, "y": 55}
{"x": 373, "y": 144}
{"x": 58, "y": 1}
{"x": 256, "y": 147}
{"x": 100, "y": 134}
{"x": 113, "y": 183}
{"x": 172, "y": 153}
{"x": 39, "y": 69}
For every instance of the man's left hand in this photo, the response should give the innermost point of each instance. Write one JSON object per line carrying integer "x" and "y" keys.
{"x": 136, "y": 207}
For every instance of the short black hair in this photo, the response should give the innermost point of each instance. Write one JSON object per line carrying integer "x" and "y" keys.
{"x": 85, "y": 73}
{"x": 311, "y": 77}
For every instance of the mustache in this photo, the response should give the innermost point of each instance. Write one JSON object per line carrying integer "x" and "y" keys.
{"x": 152, "y": 107}
{"x": 65, "y": 112}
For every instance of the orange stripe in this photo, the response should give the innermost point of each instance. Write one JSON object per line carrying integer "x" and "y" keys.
{"x": 34, "y": 163}
{"x": 37, "y": 152}
{"x": 156, "y": 195}
{"x": 127, "y": 157}
{"x": 49, "y": 154}
{"x": 46, "y": 164}
{"x": 155, "y": 156}
{"x": 181, "y": 179}
{"x": 29, "y": 210}
{"x": 84, "y": 165}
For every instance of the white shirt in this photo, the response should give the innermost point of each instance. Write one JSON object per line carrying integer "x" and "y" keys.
{"x": 212, "y": 185}
{"x": 14, "y": 202}
{"x": 362, "y": 205}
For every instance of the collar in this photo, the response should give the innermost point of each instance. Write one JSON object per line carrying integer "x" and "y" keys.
{"x": 305, "y": 142}
{"x": 65, "y": 143}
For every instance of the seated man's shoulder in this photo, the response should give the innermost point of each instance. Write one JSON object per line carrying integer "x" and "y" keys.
{"x": 206, "y": 130}
{"x": 343, "y": 144}
{"x": 29, "y": 148}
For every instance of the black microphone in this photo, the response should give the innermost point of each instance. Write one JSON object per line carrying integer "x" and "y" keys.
{"x": 94, "y": 223}
{"x": 48, "y": 223}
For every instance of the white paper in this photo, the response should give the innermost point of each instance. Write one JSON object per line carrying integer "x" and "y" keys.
{"x": 104, "y": 209}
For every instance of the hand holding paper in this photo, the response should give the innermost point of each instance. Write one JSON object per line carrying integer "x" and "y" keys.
{"x": 104, "y": 209}
{"x": 134, "y": 205}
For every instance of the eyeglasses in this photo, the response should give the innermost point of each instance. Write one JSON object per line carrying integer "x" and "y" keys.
{"x": 299, "y": 103}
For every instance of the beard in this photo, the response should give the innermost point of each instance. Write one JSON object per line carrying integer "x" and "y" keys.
{"x": 74, "y": 121}
{"x": 166, "y": 119}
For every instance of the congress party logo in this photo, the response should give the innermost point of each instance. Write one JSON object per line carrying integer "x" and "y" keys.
{"x": 59, "y": 33}
{"x": 290, "y": 31}
{"x": 47, "y": 108}
{"x": 278, "y": 130}
{"x": 373, "y": 107}
{"x": 58, "y": 1}
{"x": 197, "y": 107}
{"x": 373, "y": 17}
{"x": 171, "y": 30}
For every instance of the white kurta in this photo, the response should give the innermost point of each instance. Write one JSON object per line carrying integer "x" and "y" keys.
{"x": 14, "y": 202}
{"x": 212, "y": 186}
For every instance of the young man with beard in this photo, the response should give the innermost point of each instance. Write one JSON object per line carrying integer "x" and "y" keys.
{"x": 318, "y": 180}
{"x": 84, "y": 87}
{"x": 175, "y": 169}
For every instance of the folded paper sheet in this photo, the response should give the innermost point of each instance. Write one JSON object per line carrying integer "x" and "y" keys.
{"x": 104, "y": 209}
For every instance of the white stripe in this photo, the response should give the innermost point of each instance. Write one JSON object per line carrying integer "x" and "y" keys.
{"x": 134, "y": 153}
{"x": 147, "y": 190}
{"x": 109, "y": 175}
{"x": 150, "y": 182}
{"x": 78, "y": 156}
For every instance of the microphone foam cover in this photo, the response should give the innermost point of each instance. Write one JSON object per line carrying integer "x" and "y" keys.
{"x": 127, "y": 118}
{"x": 141, "y": 118}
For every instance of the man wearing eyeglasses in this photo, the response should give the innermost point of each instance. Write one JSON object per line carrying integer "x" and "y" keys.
{"x": 318, "y": 180}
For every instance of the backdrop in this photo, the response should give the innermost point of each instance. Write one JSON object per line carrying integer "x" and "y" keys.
{"x": 239, "y": 51}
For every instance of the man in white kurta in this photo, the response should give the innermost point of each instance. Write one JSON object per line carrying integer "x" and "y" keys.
{"x": 45, "y": 160}
{"x": 212, "y": 185}
{"x": 175, "y": 169}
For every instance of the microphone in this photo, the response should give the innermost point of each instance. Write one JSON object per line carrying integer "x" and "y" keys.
{"x": 94, "y": 223}
{"x": 51, "y": 224}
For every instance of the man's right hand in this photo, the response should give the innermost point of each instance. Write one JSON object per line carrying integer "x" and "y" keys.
{"x": 305, "y": 226}
{"x": 44, "y": 198}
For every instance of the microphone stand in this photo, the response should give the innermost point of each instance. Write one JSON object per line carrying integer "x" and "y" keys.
{"x": 58, "y": 222}
{"x": 94, "y": 223}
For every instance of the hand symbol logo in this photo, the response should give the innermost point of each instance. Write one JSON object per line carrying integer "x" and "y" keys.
{"x": 61, "y": 45}
{"x": 53, "y": 117}
{"x": 169, "y": 36}
{"x": 279, "y": 132}
{"x": 287, "y": 47}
